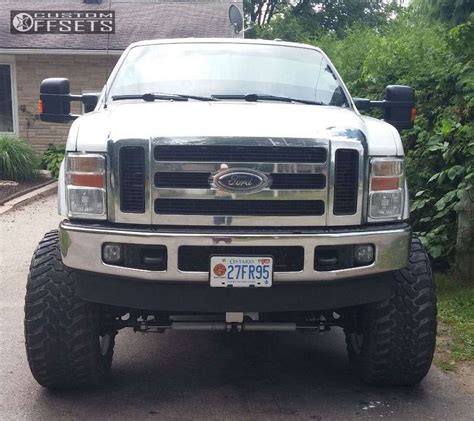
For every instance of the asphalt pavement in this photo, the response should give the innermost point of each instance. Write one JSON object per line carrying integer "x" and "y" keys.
{"x": 211, "y": 376}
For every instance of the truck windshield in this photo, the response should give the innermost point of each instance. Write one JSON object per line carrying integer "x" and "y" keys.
{"x": 234, "y": 70}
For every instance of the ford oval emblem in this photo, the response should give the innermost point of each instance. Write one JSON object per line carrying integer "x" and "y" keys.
{"x": 240, "y": 181}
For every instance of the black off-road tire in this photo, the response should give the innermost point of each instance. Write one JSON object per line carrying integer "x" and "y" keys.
{"x": 64, "y": 342}
{"x": 393, "y": 341}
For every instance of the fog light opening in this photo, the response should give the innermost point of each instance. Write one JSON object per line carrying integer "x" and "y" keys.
{"x": 112, "y": 253}
{"x": 364, "y": 254}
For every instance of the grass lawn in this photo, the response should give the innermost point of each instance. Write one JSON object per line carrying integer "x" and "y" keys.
{"x": 456, "y": 321}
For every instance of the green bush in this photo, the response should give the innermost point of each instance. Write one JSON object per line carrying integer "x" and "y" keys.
{"x": 52, "y": 159}
{"x": 439, "y": 63}
{"x": 18, "y": 160}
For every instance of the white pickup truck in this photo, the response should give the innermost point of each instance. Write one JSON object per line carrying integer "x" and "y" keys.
{"x": 232, "y": 185}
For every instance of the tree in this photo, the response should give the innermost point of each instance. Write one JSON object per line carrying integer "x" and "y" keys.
{"x": 337, "y": 15}
{"x": 452, "y": 12}
{"x": 260, "y": 12}
{"x": 318, "y": 15}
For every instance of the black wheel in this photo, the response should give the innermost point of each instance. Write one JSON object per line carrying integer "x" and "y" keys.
{"x": 65, "y": 343}
{"x": 392, "y": 342}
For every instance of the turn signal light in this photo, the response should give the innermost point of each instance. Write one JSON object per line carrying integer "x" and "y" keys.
{"x": 385, "y": 183}
{"x": 86, "y": 180}
{"x": 40, "y": 106}
{"x": 86, "y": 170}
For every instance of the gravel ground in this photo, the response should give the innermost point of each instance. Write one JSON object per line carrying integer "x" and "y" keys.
{"x": 209, "y": 376}
{"x": 10, "y": 188}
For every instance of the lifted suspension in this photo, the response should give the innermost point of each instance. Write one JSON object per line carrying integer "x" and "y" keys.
{"x": 228, "y": 322}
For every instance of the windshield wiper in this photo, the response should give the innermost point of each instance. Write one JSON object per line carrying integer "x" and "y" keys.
{"x": 265, "y": 97}
{"x": 150, "y": 97}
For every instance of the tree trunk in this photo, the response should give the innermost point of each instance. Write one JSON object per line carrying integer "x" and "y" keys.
{"x": 465, "y": 238}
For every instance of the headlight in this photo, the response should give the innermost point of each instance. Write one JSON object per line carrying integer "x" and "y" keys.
{"x": 86, "y": 186}
{"x": 386, "y": 194}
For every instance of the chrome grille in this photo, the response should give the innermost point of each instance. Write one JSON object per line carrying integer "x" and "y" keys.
{"x": 233, "y": 153}
{"x": 184, "y": 193}
{"x": 179, "y": 187}
{"x": 223, "y": 207}
{"x": 202, "y": 180}
{"x": 132, "y": 179}
{"x": 345, "y": 182}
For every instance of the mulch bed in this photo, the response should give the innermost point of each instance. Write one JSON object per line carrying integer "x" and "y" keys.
{"x": 10, "y": 189}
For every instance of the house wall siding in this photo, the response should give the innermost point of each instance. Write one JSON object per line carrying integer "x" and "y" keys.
{"x": 87, "y": 73}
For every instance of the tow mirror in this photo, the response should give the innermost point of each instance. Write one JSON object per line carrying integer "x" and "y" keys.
{"x": 55, "y": 101}
{"x": 398, "y": 105}
{"x": 363, "y": 104}
{"x": 55, "y": 104}
{"x": 400, "y": 109}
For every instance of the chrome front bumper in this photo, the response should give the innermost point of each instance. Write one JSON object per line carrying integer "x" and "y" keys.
{"x": 81, "y": 248}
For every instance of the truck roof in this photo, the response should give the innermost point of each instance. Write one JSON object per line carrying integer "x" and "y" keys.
{"x": 223, "y": 41}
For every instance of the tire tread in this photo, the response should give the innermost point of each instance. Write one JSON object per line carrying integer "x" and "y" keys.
{"x": 61, "y": 331}
{"x": 400, "y": 332}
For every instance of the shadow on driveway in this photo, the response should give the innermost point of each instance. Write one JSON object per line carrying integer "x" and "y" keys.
{"x": 245, "y": 376}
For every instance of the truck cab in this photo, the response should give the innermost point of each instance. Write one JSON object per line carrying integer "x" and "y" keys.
{"x": 231, "y": 185}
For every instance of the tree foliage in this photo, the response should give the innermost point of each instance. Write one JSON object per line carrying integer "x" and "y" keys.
{"x": 338, "y": 15}
{"x": 439, "y": 63}
{"x": 289, "y": 18}
{"x": 450, "y": 11}
{"x": 260, "y": 12}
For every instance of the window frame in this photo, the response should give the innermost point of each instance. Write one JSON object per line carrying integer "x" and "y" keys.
{"x": 11, "y": 62}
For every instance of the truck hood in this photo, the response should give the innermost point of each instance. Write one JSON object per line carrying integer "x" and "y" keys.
{"x": 148, "y": 120}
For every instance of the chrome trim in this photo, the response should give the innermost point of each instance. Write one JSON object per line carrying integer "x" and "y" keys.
{"x": 261, "y": 167}
{"x": 265, "y": 194}
{"x": 350, "y": 139}
{"x": 218, "y": 180}
{"x": 113, "y": 185}
{"x": 241, "y": 221}
{"x": 266, "y": 167}
{"x": 356, "y": 219}
{"x": 241, "y": 141}
{"x": 81, "y": 248}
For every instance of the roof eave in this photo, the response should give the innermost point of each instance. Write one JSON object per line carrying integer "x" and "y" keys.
{"x": 59, "y": 51}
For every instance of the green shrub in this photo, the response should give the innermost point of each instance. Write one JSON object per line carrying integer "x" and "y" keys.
{"x": 439, "y": 63}
{"x": 439, "y": 150}
{"x": 18, "y": 160}
{"x": 53, "y": 158}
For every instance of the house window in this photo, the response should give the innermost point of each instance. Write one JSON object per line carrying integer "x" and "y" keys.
{"x": 6, "y": 99}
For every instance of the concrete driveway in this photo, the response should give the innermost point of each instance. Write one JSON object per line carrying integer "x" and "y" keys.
{"x": 183, "y": 376}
